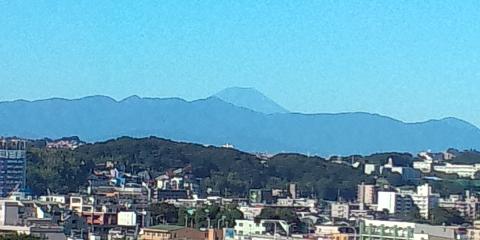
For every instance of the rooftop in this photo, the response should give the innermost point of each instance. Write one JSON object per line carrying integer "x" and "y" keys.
{"x": 164, "y": 227}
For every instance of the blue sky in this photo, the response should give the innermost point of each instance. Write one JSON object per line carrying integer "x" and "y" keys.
{"x": 411, "y": 60}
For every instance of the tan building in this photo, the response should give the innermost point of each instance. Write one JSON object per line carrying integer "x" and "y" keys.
{"x": 166, "y": 232}
{"x": 366, "y": 194}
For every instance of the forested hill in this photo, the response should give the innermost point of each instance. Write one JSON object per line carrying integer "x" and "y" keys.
{"x": 222, "y": 169}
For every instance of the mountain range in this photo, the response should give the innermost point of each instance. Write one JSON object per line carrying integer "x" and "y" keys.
{"x": 242, "y": 117}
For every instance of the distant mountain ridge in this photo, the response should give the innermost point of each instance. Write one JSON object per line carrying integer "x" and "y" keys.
{"x": 215, "y": 121}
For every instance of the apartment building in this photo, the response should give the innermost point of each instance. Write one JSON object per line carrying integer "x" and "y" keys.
{"x": 367, "y": 194}
{"x": 377, "y": 229}
{"x": 12, "y": 166}
{"x": 403, "y": 201}
{"x": 462, "y": 170}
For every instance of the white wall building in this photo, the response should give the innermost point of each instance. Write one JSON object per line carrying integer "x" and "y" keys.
{"x": 370, "y": 169}
{"x": 425, "y": 200}
{"x": 400, "y": 202}
{"x": 462, "y": 170}
{"x": 53, "y": 198}
{"x": 127, "y": 218}
{"x": 340, "y": 210}
{"x": 248, "y": 228}
{"x": 423, "y": 166}
{"x": 387, "y": 201}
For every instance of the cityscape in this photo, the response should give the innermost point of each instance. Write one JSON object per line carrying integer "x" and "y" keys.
{"x": 395, "y": 199}
{"x": 239, "y": 120}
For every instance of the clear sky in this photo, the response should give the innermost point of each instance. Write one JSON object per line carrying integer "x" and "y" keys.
{"x": 411, "y": 60}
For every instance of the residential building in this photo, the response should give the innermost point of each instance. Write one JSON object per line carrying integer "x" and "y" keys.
{"x": 403, "y": 201}
{"x": 9, "y": 212}
{"x": 370, "y": 169}
{"x": 261, "y": 196}
{"x": 166, "y": 232}
{"x": 366, "y": 194}
{"x": 376, "y": 229}
{"x": 393, "y": 202}
{"x": 425, "y": 200}
{"x": 248, "y": 228}
{"x": 407, "y": 173}
{"x": 12, "y": 166}
{"x": 462, "y": 170}
{"x": 292, "y": 190}
{"x": 245, "y": 229}
{"x": 473, "y": 233}
{"x": 250, "y": 213}
{"x": 340, "y": 210}
{"x": 423, "y": 166}
{"x": 468, "y": 207}
{"x": 334, "y": 232}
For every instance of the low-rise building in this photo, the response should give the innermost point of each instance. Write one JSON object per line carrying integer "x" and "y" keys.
{"x": 376, "y": 229}
{"x": 340, "y": 210}
{"x": 248, "y": 228}
{"x": 166, "y": 232}
{"x": 423, "y": 166}
{"x": 462, "y": 170}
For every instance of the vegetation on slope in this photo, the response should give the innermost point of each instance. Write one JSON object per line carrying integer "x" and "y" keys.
{"x": 227, "y": 171}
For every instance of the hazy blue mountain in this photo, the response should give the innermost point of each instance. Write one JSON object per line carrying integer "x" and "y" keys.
{"x": 250, "y": 98}
{"x": 214, "y": 121}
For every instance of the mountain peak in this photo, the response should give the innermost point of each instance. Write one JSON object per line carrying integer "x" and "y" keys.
{"x": 250, "y": 98}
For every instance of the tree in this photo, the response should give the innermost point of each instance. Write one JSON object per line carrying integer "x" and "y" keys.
{"x": 440, "y": 216}
{"x": 164, "y": 213}
{"x": 224, "y": 215}
{"x": 18, "y": 237}
{"x": 411, "y": 216}
{"x": 286, "y": 214}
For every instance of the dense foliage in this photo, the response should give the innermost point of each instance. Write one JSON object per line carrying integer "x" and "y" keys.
{"x": 286, "y": 214}
{"x": 440, "y": 216}
{"x": 18, "y": 237}
{"x": 227, "y": 171}
{"x": 200, "y": 217}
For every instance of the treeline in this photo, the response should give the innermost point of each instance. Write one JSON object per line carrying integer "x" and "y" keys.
{"x": 227, "y": 171}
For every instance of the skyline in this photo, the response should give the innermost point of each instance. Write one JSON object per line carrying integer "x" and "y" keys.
{"x": 412, "y": 61}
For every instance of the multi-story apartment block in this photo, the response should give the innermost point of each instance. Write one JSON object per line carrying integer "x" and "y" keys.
{"x": 425, "y": 199}
{"x": 12, "y": 166}
{"x": 401, "y": 202}
{"x": 393, "y": 202}
{"x": 367, "y": 194}
{"x": 468, "y": 207}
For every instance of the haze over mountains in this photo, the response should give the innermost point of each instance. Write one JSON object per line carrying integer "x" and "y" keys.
{"x": 240, "y": 116}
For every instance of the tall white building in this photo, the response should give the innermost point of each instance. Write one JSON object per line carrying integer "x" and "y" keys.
{"x": 425, "y": 199}
{"x": 393, "y": 202}
{"x": 403, "y": 201}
